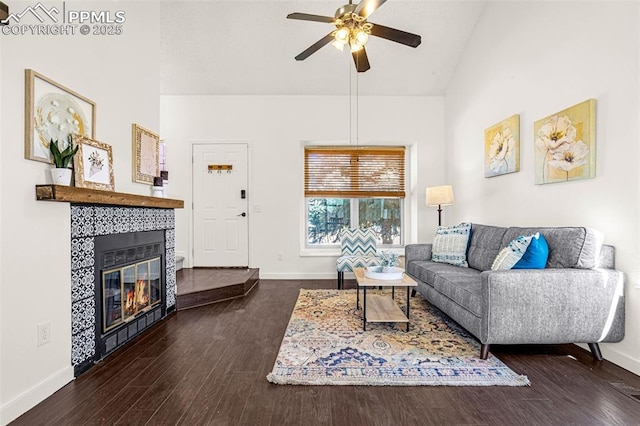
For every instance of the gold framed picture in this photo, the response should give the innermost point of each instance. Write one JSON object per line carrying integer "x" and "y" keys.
{"x": 502, "y": 147}
{"x": 53, "y": 111}
{"x": 146, "y": 154}
{"x": 565, "y": 147}
{"x": 93, "y": 164}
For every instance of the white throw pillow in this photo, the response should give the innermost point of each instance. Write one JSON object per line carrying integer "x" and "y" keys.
{"x": 512, "y": 253}
{"x": 450, "y": 244}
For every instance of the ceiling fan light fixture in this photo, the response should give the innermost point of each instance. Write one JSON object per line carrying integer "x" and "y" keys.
{"x": 356, "y": 47}
{"x": 342, "y": 35}
{"x": 338, "y": 44}
{"x": 358, "y": 39}
{"x": 361, "y": 37}
{"x": 341, "y": 38}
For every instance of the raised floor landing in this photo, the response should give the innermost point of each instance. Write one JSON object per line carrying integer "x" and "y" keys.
{"x": 202, "y": 286}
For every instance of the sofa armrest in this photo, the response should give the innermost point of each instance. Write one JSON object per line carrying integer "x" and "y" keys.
{"x": 552, "y": 306}
{"x": 417, "y": 252}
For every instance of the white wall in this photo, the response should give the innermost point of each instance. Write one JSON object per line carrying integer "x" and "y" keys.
{"x": 1, "y": 253}
{"x": 534, "y": 59}
{"x": 120, "y": 73}
{"x": 275, "y": 126}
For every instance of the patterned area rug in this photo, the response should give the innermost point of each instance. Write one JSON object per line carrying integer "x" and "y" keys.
{"x": 324, "y": 344}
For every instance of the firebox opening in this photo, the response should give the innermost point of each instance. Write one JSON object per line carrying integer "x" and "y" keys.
{"x": 130, "y": 290}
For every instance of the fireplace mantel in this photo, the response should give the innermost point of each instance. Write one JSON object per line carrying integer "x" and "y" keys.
{"x": 71, "y": 194}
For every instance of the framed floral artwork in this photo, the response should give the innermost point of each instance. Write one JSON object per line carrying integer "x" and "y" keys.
{"x": 502, "y": 147}
{"x": 93, "y": 164}
{"x": 53, "y": 111}
{"x": 565, "y": 144}
{"x": 146, "y": 155}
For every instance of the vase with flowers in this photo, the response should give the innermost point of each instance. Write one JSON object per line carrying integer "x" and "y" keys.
{"x": 388, "y": 260}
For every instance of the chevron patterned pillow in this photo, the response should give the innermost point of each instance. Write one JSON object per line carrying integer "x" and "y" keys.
{"x": 450, "y": 244}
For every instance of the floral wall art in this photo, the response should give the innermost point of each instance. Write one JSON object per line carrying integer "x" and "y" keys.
{"x": 502, "y": 147}
{"x": 565, "y": 144}
{"x": 53, "y": 111}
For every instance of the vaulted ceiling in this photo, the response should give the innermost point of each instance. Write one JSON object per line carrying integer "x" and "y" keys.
{"x": 248, "y": 48}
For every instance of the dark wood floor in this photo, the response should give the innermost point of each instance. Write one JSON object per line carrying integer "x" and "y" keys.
{"x": 208, "y": 365}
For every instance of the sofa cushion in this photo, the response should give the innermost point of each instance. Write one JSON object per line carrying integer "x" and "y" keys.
{"x": 426, "y": 270}
{"x": 569, "y": 247}
{"x": 450, "y": 244}
{"x": 512, "y": 253}
{"x": 463, "y": 286}
{"x": 484, "y": 246}
{"x": 536, "y": 255}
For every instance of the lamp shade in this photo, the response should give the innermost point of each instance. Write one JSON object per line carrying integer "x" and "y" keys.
{"x": 440, "y": 195}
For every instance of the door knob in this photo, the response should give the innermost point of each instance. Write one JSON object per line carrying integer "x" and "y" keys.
{"x": 243, "y": 214}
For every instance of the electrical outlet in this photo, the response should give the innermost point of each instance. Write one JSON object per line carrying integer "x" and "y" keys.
{"x": 280, "y": 256}
{"x": 44, "y": 333}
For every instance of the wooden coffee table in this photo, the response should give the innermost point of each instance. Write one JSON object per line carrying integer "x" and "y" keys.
{"x": 380, "y": 308}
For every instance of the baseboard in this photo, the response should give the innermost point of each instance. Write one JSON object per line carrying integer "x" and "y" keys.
{"x": 620, "y": 359}
{"x": 33, "y": 396}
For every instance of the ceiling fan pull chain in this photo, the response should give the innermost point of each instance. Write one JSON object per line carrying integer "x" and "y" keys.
{"x": 357, "y": 113}
{"x": 350, "y": 108}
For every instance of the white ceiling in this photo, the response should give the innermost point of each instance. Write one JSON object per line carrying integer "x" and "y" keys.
{"x": 248, "y": 48}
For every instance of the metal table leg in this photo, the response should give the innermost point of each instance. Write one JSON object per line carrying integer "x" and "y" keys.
{"x": 408, "y": 298}
{"x": 364, "y": 310}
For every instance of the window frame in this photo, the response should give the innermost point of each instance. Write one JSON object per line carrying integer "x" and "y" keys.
{"x": 408, "y": 208}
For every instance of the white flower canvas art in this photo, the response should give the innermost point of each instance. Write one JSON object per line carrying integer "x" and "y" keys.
{"x": 53, "y": 112}
{"x": 502, "y": 147}
{"x": 565, "y": 146}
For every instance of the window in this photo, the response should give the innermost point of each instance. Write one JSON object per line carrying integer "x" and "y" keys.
{"x": 354, "y": 187}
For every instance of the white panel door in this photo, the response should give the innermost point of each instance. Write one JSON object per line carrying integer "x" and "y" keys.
{"x": 220, "y": 222}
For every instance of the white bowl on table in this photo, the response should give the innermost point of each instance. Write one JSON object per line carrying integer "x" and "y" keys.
{"x": 392, "y": 273}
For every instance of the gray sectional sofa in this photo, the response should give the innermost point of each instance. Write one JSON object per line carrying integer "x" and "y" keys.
{"x": 577, "y": 298}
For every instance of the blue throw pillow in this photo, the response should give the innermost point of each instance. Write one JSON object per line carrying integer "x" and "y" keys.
{"x": 536, "y": 255}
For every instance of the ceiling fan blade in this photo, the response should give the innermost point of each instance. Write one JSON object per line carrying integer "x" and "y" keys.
{"x": 315, "y": 47}
{"x": 398, "y": 36}
{"x": 367, "y": 7}
{"x": 308, "y": 17}
{"x": 361, "y": 60}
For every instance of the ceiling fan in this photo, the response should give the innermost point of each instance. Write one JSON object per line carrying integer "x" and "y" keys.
{"x": 353, "y": 29}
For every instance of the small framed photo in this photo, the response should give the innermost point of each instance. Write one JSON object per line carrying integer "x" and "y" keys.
{"x": 93, "y": 164}
{"x": 146, "y": 155}
{"x": 53, "y": 111}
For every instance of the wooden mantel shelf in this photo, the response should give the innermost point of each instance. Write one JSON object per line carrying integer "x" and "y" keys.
{"x": 71, "y": 194}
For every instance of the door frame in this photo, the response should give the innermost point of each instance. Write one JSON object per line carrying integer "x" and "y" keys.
{"x": 189, "y": 206}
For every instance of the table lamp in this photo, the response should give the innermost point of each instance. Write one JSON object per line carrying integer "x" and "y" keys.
{"x": 439, "y": 196}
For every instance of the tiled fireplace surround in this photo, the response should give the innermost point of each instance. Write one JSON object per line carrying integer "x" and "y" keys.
{"x": 87, "y": 222}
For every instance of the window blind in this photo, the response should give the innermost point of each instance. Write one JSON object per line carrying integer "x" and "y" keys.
{"x": 354, "y": 172}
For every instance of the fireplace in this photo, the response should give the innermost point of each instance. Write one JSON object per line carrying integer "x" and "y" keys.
{"x": 123, "y": 277}
{"x": 130, "y": 292}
